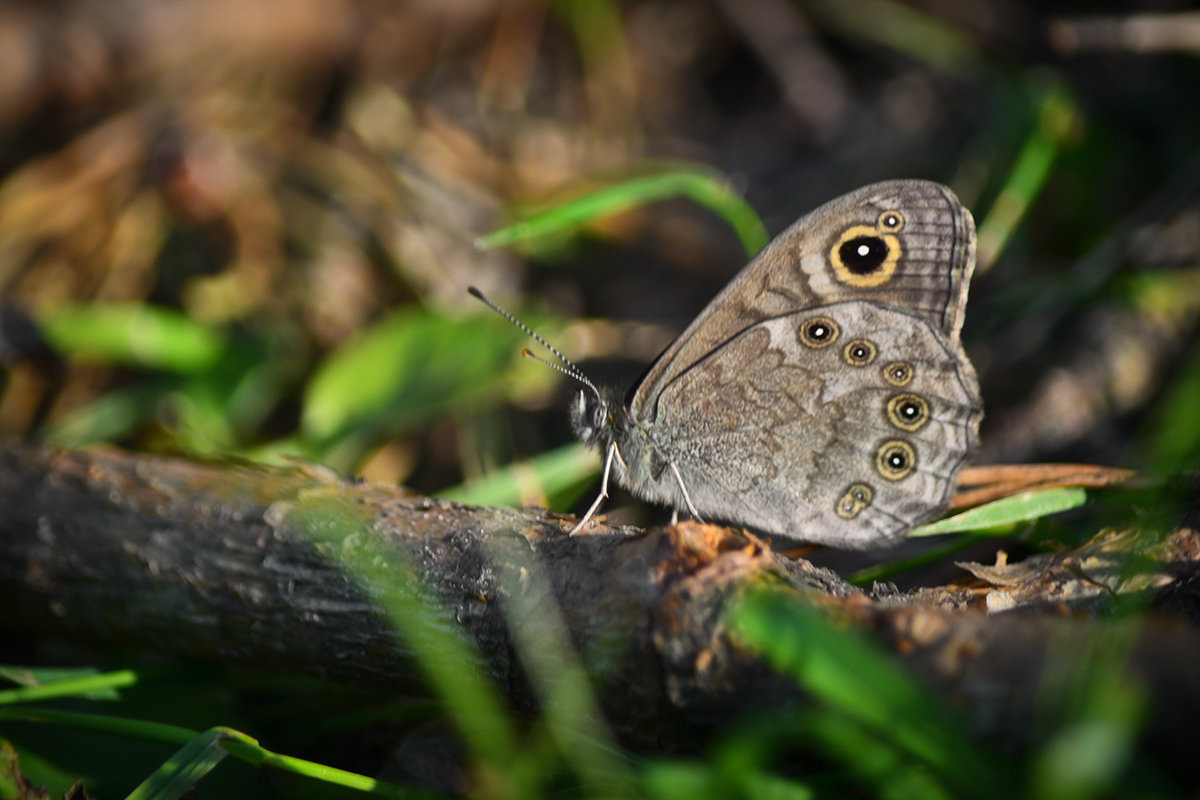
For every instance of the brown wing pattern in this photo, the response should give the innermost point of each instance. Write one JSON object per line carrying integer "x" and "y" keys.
{"x": 773, "y": 432}
{"x": 928, "y": 241}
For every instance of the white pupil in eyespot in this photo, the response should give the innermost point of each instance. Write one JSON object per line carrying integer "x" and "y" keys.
{"x": 864, "y": 250}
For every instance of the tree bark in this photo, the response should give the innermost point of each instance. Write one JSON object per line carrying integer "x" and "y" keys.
{"x": 296, "y": 569}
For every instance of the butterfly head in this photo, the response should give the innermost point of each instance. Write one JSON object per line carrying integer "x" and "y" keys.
{"x": 593, "y": 418}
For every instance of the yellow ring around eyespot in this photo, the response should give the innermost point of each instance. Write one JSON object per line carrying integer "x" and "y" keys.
{"x": 904, "y": 378}
{"x": 853, "y": 361}
{"x": 882, "y": 222}
{"x": 832, "y": 334}
{"x": 879, "y": 276}
{"x": 856, "y": 497}
{"x": 898, "y": 447}
{"x": 895, "y": 405}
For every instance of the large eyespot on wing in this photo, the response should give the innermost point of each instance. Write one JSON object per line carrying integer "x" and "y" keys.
{"x": 863, "y": 257}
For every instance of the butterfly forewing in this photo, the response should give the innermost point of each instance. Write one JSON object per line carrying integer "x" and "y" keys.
{"x": 925, "y": 231}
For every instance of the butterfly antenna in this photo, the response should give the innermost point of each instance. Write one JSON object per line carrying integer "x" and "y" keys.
{"x": 569, "y": 369}
{"x": 559, "y": 367}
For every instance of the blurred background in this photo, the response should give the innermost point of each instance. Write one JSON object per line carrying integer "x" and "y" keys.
{"x": 246, "y": 228}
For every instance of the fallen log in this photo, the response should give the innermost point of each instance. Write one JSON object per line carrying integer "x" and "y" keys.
{"x": 297, "y": 569}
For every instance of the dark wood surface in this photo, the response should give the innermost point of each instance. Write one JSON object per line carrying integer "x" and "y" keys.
{"x": 287, "y": 569}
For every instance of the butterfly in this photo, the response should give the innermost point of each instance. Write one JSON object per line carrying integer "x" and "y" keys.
{"x": 824, "y": 395}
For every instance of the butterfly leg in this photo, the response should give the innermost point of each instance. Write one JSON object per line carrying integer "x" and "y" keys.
{"x": 686, "y": 497}
{"x": 608, "y": 462}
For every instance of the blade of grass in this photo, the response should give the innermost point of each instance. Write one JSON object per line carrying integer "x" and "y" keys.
{"x": 680, "y": 780}
{"x": 870, "y": 758}
{"x": 1170, "y": 438}
{"x": 701, "y": 186}
{"x": 1001, "y": 515}
{"x": 410, "y": 367}
{"x": 1057, "y": 118}
{"x": 888, "y": 570}
{"x": 915, "y": 33}
{"x": 184, "y": 769}
{"x": 133, "y": 334}
{"x": 450, "y": 664}
{"x": 113, "y": 415}
{"x": 194, "y": 743}
{"x": 851, "y": 677}
{"x": 100, "y": 723}
{"x": 1095, "y": 708}
{"x": 570, "y": 712}
{"x": 552, "y": 472}
{"x": 70, "y": 686}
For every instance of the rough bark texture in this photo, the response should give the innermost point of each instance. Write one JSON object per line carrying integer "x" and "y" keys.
{"x": 284, "y": 569}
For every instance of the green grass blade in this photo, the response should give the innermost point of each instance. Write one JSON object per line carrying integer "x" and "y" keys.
{"x": 184, "y": 769}
{"x": 889, "y": 569}
{"x": 681, "y": 780}
{"x": 548, "y": 474}
{"x": 113, "y": 415}
{"x": 195, "y": 759}
{"x": 99, "y": 723}
{"x": 249, "y": 750}
{"x": 1094, "y": 708}
{"x": 851, "y": 677}
{"x": 870, "y": 758}
{"x": 1170, "y": 439}
{"x": 702, "y": 187}
{"x": 410, "y": 367}
{"x": 70, "y": 686}
{"x": 444, "y": 652}
{"x": 1057, "y": 120}
{"x": 132, "y": 334}
{"x": 1006, "y": 512}
{"x": 917, "y": 34}
{"x": 571, "y": 715}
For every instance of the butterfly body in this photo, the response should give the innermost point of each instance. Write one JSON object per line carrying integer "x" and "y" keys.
{"x": 823, "y": 395}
